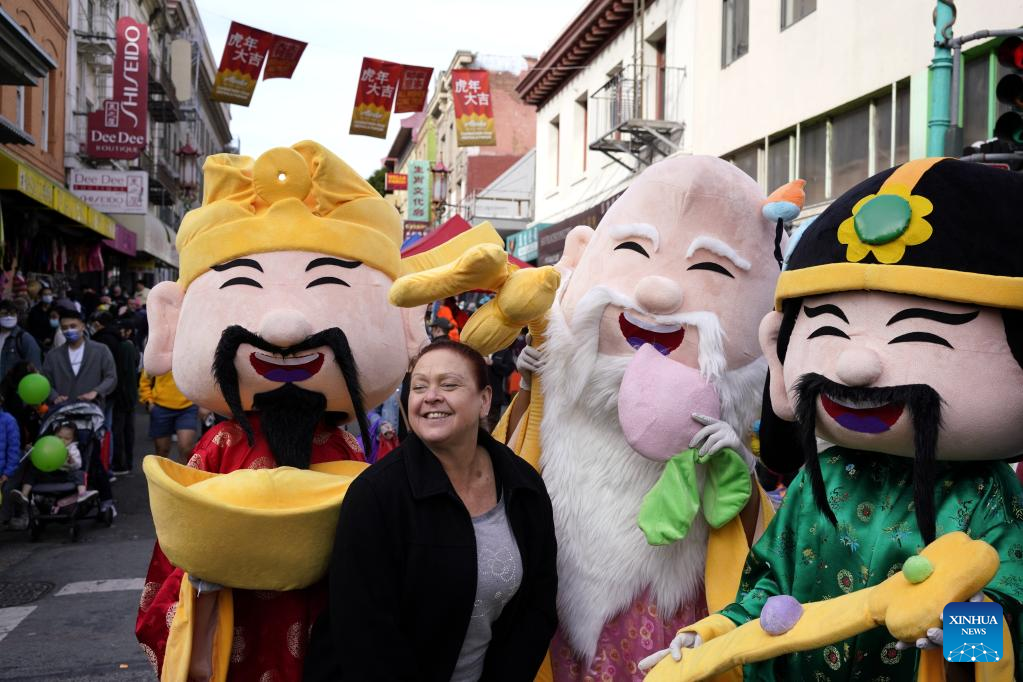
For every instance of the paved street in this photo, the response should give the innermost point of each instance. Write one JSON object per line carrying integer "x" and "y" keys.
{"x": 81, "y": 627}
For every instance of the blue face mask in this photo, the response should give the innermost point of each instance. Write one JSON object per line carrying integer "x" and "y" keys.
{"x": 54, "y": 323}
{"x": 72, "y": 335}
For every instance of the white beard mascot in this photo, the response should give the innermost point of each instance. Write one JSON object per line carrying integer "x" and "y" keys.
{"x": 652, "y": 379}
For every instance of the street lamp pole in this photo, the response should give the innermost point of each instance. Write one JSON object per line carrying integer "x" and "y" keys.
{"x": 941, "y": 78}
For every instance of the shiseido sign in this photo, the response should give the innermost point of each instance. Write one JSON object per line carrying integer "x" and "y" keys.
{"x": 118, "y": 130}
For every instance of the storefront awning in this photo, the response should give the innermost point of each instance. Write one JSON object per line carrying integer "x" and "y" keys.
{"x": 21, "y": 177}
{"x": 153, "y": 237}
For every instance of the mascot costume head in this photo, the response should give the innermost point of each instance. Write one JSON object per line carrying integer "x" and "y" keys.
{"x": 646, "y": 320}
{"x": 898, "y": 340}
{"x": 281, "y": 306}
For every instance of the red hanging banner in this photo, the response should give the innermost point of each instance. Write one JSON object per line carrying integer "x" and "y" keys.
{"x": 240, "y": 64}
{"x": 415, "y": 81}
{"x": 378, "y": 82}
{"x": 474, "y": 114}
{"x": 284, "y": 56}
{"x": 118, "y": 130}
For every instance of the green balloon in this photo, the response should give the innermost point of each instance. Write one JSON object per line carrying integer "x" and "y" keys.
{"x": 34, "y": 389}
{"x": 49, "y": 453}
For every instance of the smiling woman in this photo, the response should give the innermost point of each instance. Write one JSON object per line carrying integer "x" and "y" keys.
{"x": 451, "y": 540}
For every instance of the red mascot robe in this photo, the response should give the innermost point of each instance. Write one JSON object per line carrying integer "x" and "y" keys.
{"x": 271, "y": 629}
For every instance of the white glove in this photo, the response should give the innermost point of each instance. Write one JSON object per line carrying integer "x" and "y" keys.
{"x": 530, "y": 360}
{"x": 716, "y": 435}
{"x": 201, "y": 585}
{"x": 683, "y": 640}
{"x": 935, "y": 636}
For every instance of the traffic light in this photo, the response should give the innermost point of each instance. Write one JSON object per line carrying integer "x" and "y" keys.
{"x": 1009, "y": 126}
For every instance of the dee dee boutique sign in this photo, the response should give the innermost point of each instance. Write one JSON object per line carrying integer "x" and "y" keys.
{"x": 111, "y": 191}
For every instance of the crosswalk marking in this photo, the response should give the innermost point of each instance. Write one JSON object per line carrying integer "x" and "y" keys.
{"x": 89, "y": 586}
{"x": 11, "y": 617}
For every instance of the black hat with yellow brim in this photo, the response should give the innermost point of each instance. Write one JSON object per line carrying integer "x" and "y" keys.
{"x": 938, "y": 228}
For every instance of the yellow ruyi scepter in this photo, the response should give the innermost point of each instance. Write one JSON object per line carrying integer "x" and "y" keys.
{"x": 961, "y": 568}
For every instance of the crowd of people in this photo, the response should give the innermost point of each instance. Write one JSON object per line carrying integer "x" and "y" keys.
{"x": 88, "y": 344}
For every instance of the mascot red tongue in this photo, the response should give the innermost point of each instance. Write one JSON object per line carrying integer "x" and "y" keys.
{"x": 650, "y": 401}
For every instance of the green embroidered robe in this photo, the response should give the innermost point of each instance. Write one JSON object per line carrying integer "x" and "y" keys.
{"x": 803, "y": 555}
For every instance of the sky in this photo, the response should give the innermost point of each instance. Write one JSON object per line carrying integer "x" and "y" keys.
{"x": 316, "y": 103}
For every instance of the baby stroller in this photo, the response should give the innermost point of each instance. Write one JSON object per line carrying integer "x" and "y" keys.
{"x": 56, "y": 500}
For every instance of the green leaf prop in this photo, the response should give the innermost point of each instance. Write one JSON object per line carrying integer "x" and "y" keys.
{"x": 669, "y": 508}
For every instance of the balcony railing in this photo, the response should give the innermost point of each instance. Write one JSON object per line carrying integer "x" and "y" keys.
{"x": 638, "y": 113}
{"x": 163, "y": 100}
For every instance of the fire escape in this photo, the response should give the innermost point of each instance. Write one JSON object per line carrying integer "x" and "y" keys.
{"x": 632, "y": 115}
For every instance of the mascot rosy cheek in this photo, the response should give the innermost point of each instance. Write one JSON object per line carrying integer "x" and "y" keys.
{"x": 279, "y": 319}
{"x": 899, "y": 341}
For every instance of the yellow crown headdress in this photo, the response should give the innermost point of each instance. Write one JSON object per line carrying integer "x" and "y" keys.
{"x": 299, "y": 198}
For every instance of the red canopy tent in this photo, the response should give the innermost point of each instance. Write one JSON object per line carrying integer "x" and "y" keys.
{"x": 450, "y": 229}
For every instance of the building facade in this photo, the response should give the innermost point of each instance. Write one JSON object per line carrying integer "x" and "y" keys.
{"x": 827, "y": 90}
{"x": 184, "y": 125}
{"x": 458, "y": 175}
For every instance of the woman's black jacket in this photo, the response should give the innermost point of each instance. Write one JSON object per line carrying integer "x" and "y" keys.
{"x": 403, "y": 574}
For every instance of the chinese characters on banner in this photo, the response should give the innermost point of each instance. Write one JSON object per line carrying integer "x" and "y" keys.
{"x": 474, "y": 114}
{"x": 417, "y": 207}
{"x": 240, "y": 64}
{"x": 415, "y": 81}
{"x": 378, "y": 82}
{"x": 118, "y": 130}
{"x": 284, "y": 56}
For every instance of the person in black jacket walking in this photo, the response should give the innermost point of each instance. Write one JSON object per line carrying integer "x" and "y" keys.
{"x": 444, "y": 564}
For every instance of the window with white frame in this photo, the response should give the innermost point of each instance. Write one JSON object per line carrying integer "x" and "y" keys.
{"x": 734, "y": 30}
{"x": 19, "y": 106}
{"x": 580, "y": 133}
{"x": 44, "y": 108}
{"x": 554, "y": 145}
{"x": 835, "y": 152}
{"x": 794, "y": 10}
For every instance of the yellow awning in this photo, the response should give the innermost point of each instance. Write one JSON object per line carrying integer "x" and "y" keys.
{"x": 21, "y": 177}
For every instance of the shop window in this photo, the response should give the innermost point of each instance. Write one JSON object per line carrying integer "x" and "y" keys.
{"x": 554, "y": 135}
{"x": 813, "y": 160}
{"x": 976, "y": 85}
{"x": 794, "y": 10}
{"x": 778, "y": 163}
{"x": 850, "y": 136}
{"x": 734, "y": 30}
{"x": 901, "y": 124}
{"x": 746, "y": 161}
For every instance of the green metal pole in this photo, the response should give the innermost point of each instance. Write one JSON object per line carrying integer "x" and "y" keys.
{"x": 941, "y": 79}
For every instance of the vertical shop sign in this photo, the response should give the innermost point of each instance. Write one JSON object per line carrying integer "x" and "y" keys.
{"x": 240, "y": 64}
{"x": 474, "y": 114}
{"x": 378, "y": 82}
{"x": 118, "y": 129}
{"x": 417, "y": 208}
{"x": 415, "y": 81}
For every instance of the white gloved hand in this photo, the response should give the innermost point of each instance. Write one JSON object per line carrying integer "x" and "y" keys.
{"x": 201, "y": 585}
{"x": 530, "y": 360}
{"x": 935, "y": 636}
{"x": 716, "y": 435}
{"x": 683, "y": 640}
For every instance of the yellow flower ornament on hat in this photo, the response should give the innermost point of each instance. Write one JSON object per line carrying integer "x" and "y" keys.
{"x": 885, "y": 224}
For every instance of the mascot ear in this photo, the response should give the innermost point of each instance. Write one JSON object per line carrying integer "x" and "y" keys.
{"x": 575, "y": 244}
{"x": 415, "y": 330}
{"x": 769, "y": 328}
{"x": 163, "y": 308}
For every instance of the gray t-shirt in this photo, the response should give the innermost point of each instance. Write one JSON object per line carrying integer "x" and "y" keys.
{"x": 498, "y": 576}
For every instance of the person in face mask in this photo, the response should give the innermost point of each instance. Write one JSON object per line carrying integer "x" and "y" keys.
{"x": 15, "y": 344}
{"x": 38, "y": 323}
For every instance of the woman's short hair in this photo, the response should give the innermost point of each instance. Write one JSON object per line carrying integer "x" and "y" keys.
{"x": 477, "y": 365}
